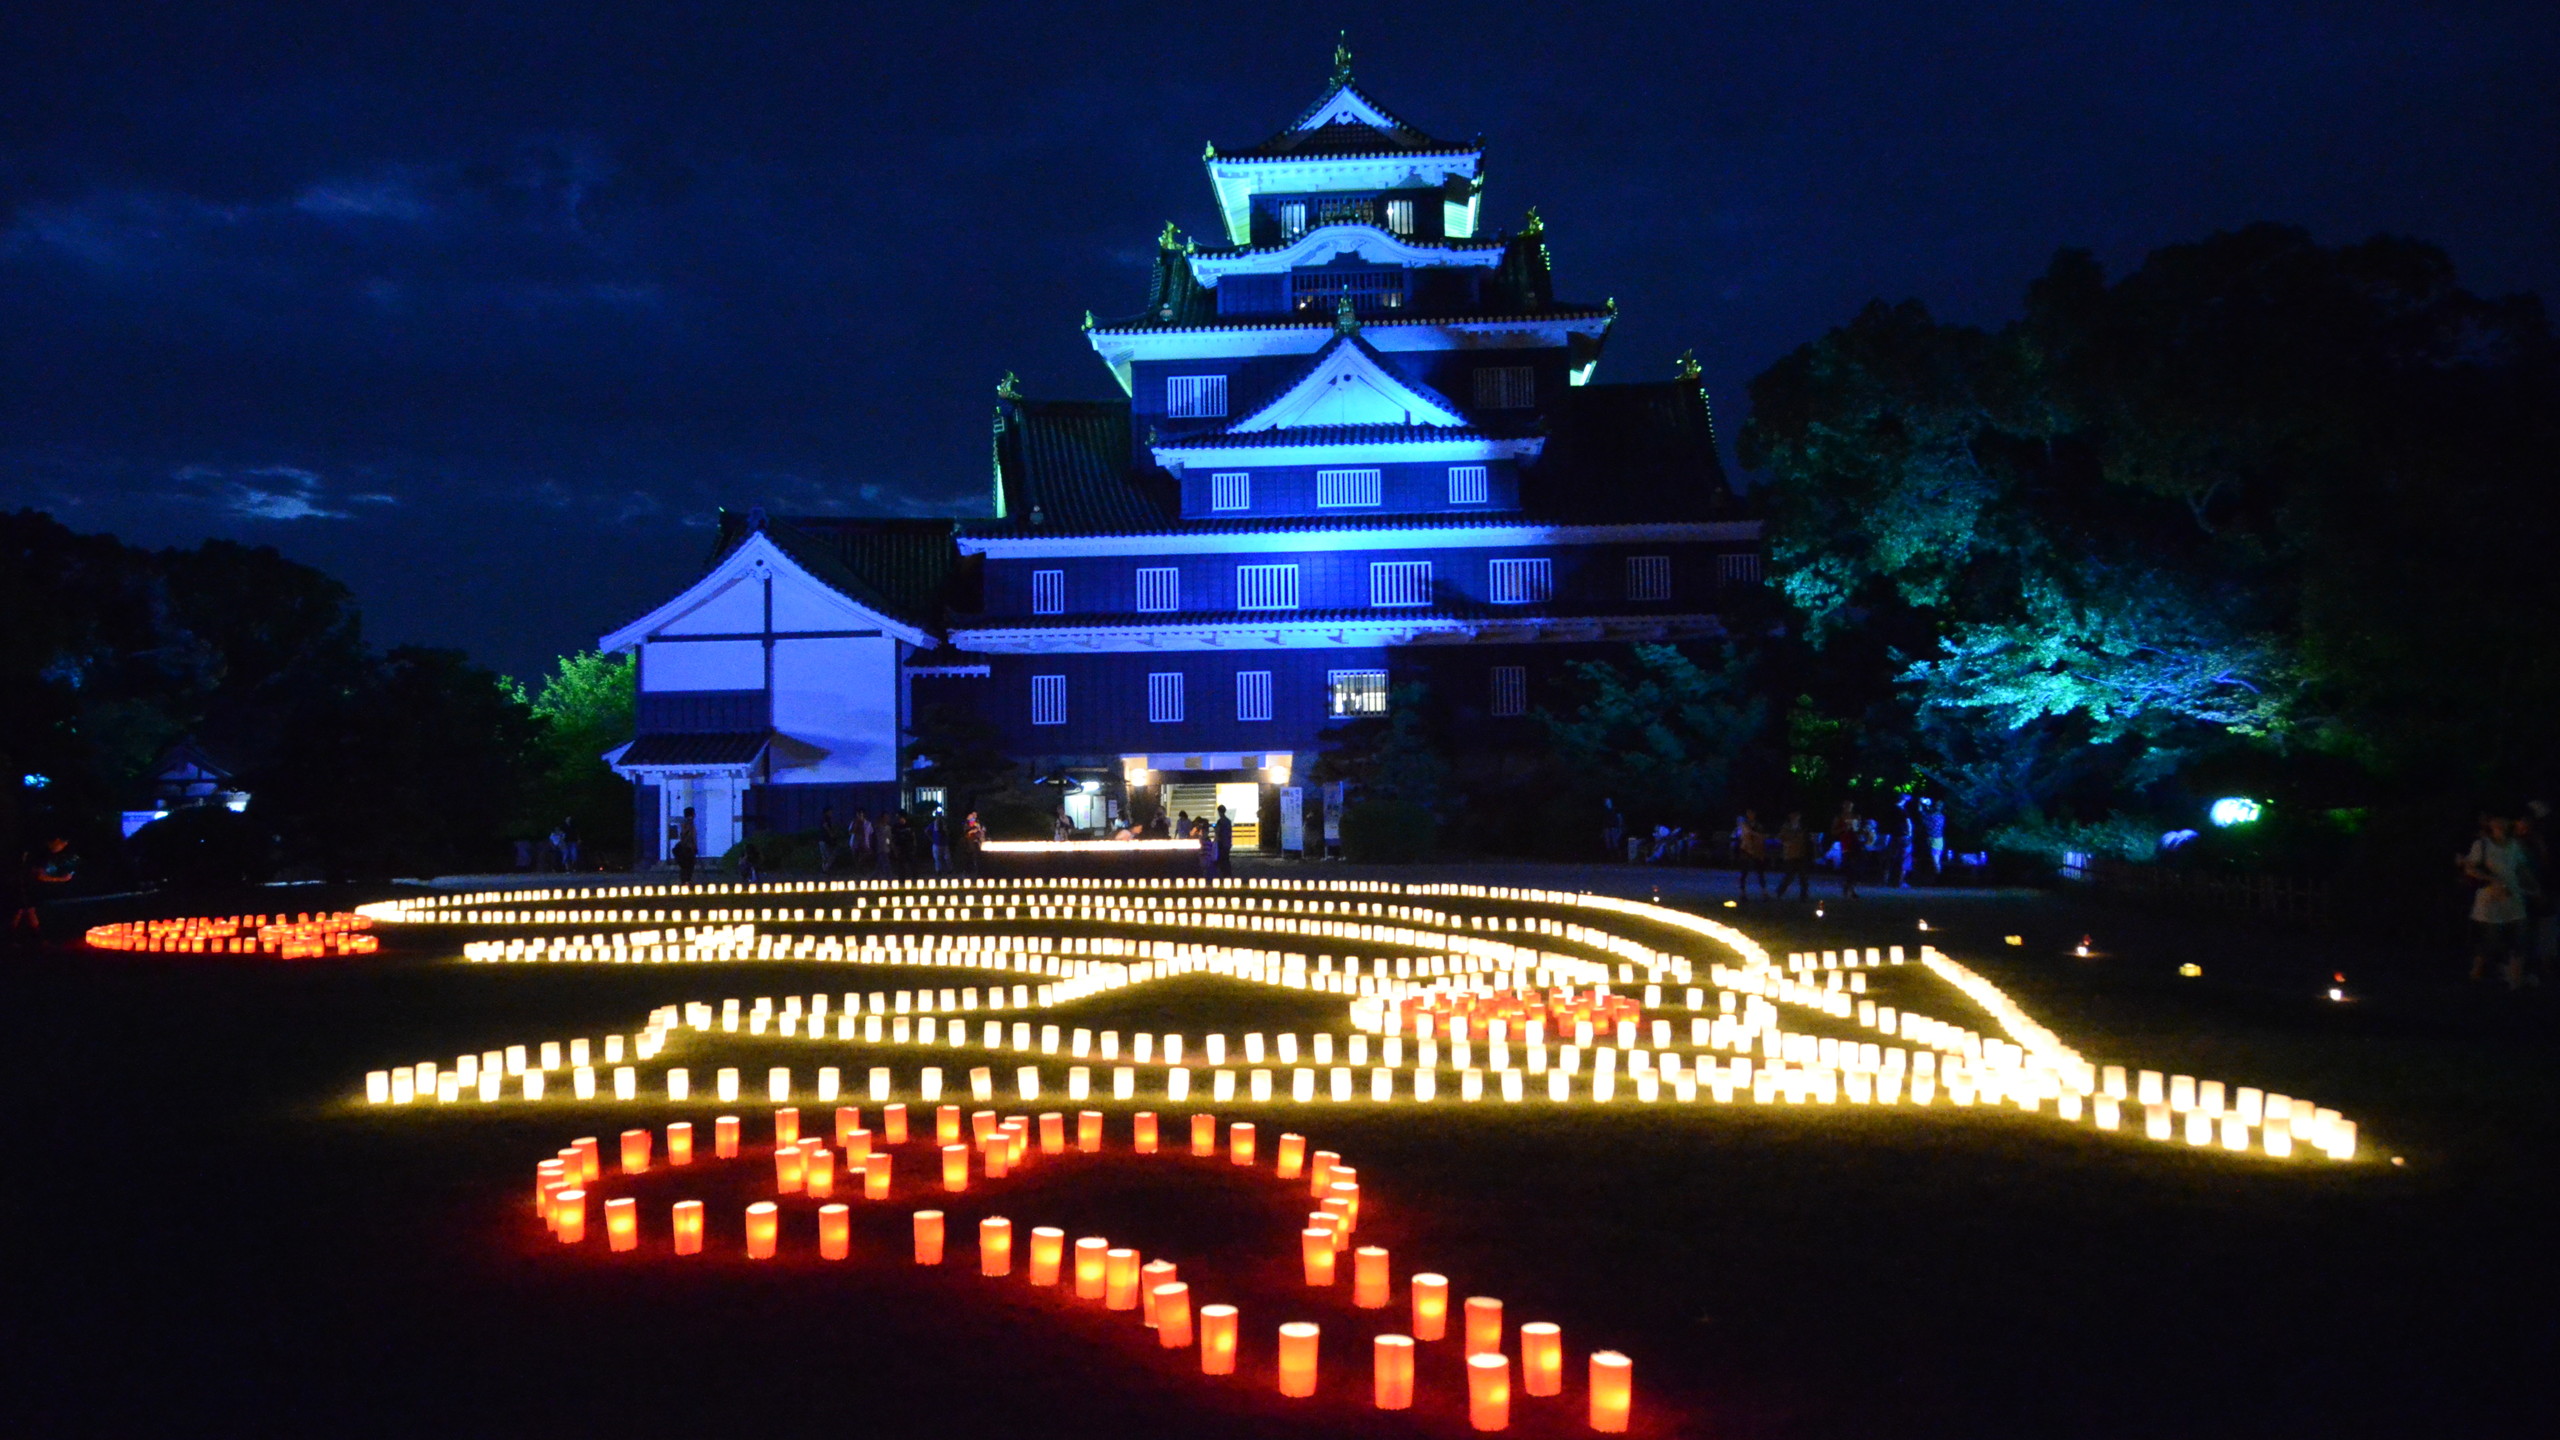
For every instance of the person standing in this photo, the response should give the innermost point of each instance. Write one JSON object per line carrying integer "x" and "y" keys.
{"x": 830, "y": 839}
{"x": 902, "y": 846}
{"x": 2496, "y": 866}
{"x": 1613, "y": 831}
{"x": 568, "y": 843}
{"x": 1208, "y": 839}
{"x": 1751, "y": 854}
{"x": 937, "y": 834}
{"x": 1933, "y": 835}
{"x": 1899, "y": 833}
{"x": 1850, "y": 836}
{"x": 884, "y": 843}
{"x": 973, "y": 840}
{"x": 1795, "y": 857}
{"x": 1062, "y": 829}
{"x": 555, "y": 852}
{"x": 688, "y": 846}
{"x": 1226, "y": 844}
{"x": 39, "y": 868}
{"x": 2541, "y": 922}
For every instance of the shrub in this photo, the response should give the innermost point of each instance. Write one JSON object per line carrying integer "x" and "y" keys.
{"x": 1387, "y": 832}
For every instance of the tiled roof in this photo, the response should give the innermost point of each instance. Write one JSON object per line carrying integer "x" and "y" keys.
{"x": 1322, "y": 435}
{"x": 1621, "y": 454}
{"x": 1416, "y": 242}
{"x": 1070, "y": 461}
{"x": 1464, "y": 610}
{"x": 695, "y": 749}
{"x": 906, "y": 569}
{"x": 1344, "y": 137}
{"x": 1323, "y": 319}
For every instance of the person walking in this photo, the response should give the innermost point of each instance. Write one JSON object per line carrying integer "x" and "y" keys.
{"x": 937, "y": 835}
{"x": 568, "y": 843}
{"x": 902, "y": 847}
{"x": 1899, "y": 833}
{"x": 830, "y": 839}
{"x": 1933, "y": 836}
{"x": 1850, "y": 836}
{"x": 1795, "y": 857}
{"x": 2501, "y": 876}
{"x": 39, "y": 868}
{"x": 1226, "y": 844}
{"x": 555, "y": 851}
{"x": 884, "y": 844}
{"x": 1062, "y": 829}
{"x": 973, "y": 840}
{"x": 1613, "y": 831}
{"x": 688, "y": 846}
{"x": 1750, "y": 853}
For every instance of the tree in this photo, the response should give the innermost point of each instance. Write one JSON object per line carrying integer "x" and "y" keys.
{"x": 584, "y": 709}
{"x": 1662, "y": 736}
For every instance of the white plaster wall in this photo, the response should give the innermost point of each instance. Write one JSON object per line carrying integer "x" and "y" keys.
{"x": 702, "y": 665}
{"x": 841, "y": 697}
{"x": 735, "y": 609}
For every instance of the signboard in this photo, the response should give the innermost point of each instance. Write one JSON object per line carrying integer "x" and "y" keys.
{"x": 1333, "y": 813}
{"x": 1293, "y": 819}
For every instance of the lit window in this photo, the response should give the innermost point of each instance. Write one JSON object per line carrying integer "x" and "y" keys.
{"x": 1522, "y": 582}
{"x": 1648, "y": 577}
{"x": 1506, "y": 387}
{"x": 1400, "y": 216}
{"x": 1738, "y": 569}
{"x": 1159, "y": 588}
{"x": 1266, "y": 587}
{"x": 1355, "y": 692}
{"x": 1232, "y": 490}
{"x": 1293, "y": 219}
{"x": 1048, "y": 592}
{"x": 1348, "y": 487}
{"x": 1400, "y": 582}
{"x": 1467, "y": 485}
{"x": 1253, "y": 694}
{"x": 1195, "y": 397}
{"x": 1048, "y": 699}
{"x": 1164, "y": 697}
{"x": 1510, "y": 689}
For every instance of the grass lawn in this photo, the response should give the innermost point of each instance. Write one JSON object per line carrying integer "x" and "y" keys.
{"x": 211, "y": 1242}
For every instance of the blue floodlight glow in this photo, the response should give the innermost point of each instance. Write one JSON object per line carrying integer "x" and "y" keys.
{"x": 2233, "y": 810}
{"x": 36, "y": 782}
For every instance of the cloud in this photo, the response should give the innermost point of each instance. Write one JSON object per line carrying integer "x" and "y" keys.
{"x": 270, "y": 492}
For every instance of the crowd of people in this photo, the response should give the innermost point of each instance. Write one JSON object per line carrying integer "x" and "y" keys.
{"x": 1909, "y": 841}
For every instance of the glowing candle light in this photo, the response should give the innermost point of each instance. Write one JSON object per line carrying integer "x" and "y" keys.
{"x": 1430, "y": 1306}
{"x": 835, "y": 1232}
{"x": 1204, "y": 1135}
{"x": 1092, "y": 1267}
{"x": 946, "y": 1125}
{"x": 955, "y": 1168}
{"x": 893, "y": 1123}
{"x": 1298, "y": 1359}
{"x": 1293, "y": 1156}
{"x": 764, "y": 1228}
{"x": 1120, "y": 1279}
{"x": 818, "y": 1180}
{"x": 995, "y": 1246}
{"x": 996, "y": 1152}
{"x": 1153, "y": 1276}
{"x": 1484, "y": 1325}
{"x": 928, "y": 1237}
{"x": 1489, "y": 1391}
{"x": 1172, "y": 1302}
{"x": 1053, "y": 1133}
{"x": 875, "y": 1176}
{"x": 1048, "y": 1246}
{"x": 1369, "y": 1278}
{"x": 1392, "y": 1385}
{"x": 1240, "y": 1143}
{"x": 724, "y": 1137}
{"x": 1541, "y": 1359}
{"x": 790, "y": 1168}
{"x": 569, "y": 1215}
{"x": 786, "y": 1125}
{"x": 635, "y": 1152}
{"x": 1217, "y": 1339}
{"x": 1144, "y": 1129}
{"x": 1315, "y": 1250}
{"x": 857, "y": 1147}
{"x": 688, "y": 1227}
{"x": 1613, "y": 1391}
{"x": 590, "y": 1161}
{"x": 1321, "y": 1174}
{"x": 679, "y": 1084}
{"x": 729, "y": 1086}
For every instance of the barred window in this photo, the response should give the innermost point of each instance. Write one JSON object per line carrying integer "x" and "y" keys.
{"x": 1355, "y": 692}
{"x": 1400, "y": 216}
{"x": 1510, "y": 689}
{"x": 1400, "y": 582}
{"x": 1048, "y": 699}
{"x": 1231, "y": 490}
{"x": 1195, "y": 397}
{"x": 1293, "y": 219}
{"x": 1648, "y": 577}
{"x": 1348, "y": 487}
{"x": 1164, "y": 697}
{"x": 1522, "y": 582}
{"x": 1467, "y": 485}
{"x": 1353, "y": 210}
{"x": 1159, "y": 588}
{"x": 1743, "y": 569}
{"x": 1253, "y": 694}
{"x": 1506, "y": 387}
{"x": 1369, "y": 289}
{"x": 1048, "y": 592}
{"x": 1266, "y": 587}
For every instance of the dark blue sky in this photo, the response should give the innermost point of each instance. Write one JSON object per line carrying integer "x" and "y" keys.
{"x": 484, "y": 308}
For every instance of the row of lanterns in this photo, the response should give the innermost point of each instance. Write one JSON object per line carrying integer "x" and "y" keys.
{"x": 304, "y": 937}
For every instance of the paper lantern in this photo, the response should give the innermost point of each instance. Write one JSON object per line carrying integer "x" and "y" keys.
{"x": 1217, "y": 1339}
{"x": 1172, "y": 1302}
{"x": 875, "y": 1177}
{"x": 764, "y": 1227}
{"x": 1489, "y": 1391}
{"x": 1204, "y": 1135}
{"x": 790, "y": 1167}
{"x": 995, "y": 1246}
{"x": 569, "y": 1215}
{"x": 1048, "y": 1246}
{"x": 1541, "y": 1359}
{"x": 1320, "y": 1174}
{"x": 1053, "y": 1133}
{"x": 1292, "y": 1157}
{"x": 1430, "y": 1306}
{"x": 1092, "y": 1267}
{"x": 1089, "y": 1131}
{"x": 818, "y": 1180}
{"x": 622, "y": 1224}
{"x": 857, "y": 1147}
{"x": 680, "y": 1143}
{"x": 1298, "y": 1359}
{"x": 835, "y": 1232}
{"x": 997, "y": 1156}
{"x": 1152, "y": 1276}
{"x": 786, "y": 1125}
{"x": 928, "y": 1237}
{"x": 1144, "y": 1132}
{"x": 1120, "y": 1279}
{"x": 1240, "y": 1143}
{"x": 848, "y": 1124}
{"x": 1369, "y": 1278}
{"x": 946, "y": 1125}
{"x": 1613, "y": 1391}
{"x": 955, "y": 1168}
{"x": 688, "y": 1227}
{"x": 1484, "y": 1325}
{"x": 1392, "y": 1384}
{"x": 1316, "y": 1250}
{"x": 724, "y": 1137}
{"x": 548, "y": 1176}
{"x": 590, "y": 1158}
{"x": 728, "y": 1087}
{"x": 893, "y": 1124}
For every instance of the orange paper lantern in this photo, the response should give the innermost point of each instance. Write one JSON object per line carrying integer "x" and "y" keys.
{"x": 1217, "y": 1339}
{"x": 982, "y": 1123}
{"x": 1541, "y": 1359}
{"x": 998, "y": 1159}
{"x": 1053, "y": 1133}
{"x": 1489, "y": 1391}
{"x": 790, "y": 1168}
{"x": 1315, "y": 1253}
{"x": 1048, "y": 1246}
{"x": 1298, "y": 1359}
{"x": 1144, "y": 1133}
{"x": 1089, "y": 1131}
{"x": 1172, "y": 1305}
{"x": 819, "y": 1178}
{"x": 893, "y": 1123}
{"x": 1204, "y": 1135}
{"x": 1240, "y": 1143}
{"x": 875, "y": 1177}
{"x": 1120, "y": 1279}
{"x": 946, "y": 1125}
{"x": 635, "y": 1152}
{"x": 724, "y": 1137}
{"x": 857, "y": 1147}
{"x": 1393, "y": 1383}
{"x": 1484, "y": 1325}
{"x": 1430, "y": 1306}
{"x": 548, "y": 1176}
{"x": 835, "y": 1232}
{"x": 1320, "y": 1174}
{"x": 569, "y": 1215}
{"x": 786, "y": 1125}
{"x": 955, "y": 1168}
{"x": 1153, "y": 1276}
{"x": 1369, "y": 1278}
{"x": 995, "y": 1246}
{"x": 764, "y": 1228}
{"x": 1092, "y": 1267}
{"x": 590, "y": 1158}
{"x": 1613, "y": 1391}
{"x": 622, "y": 1224}
{"x": 1293, "y": 1156}
{"x": 848, "y": 1121}
{"x": 688, "y": 1227}
{"x": 680, "y": 1143}
{"x": 928, "y": 1237}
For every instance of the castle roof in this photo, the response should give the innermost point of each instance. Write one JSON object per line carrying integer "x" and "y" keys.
{"x": 902, "y": 567}
{"x": 1346, "y": 122}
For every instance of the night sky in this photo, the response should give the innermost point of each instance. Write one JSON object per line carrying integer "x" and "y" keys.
{"x": 485, "y": 308}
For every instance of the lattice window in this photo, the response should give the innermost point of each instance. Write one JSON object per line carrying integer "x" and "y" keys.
{"x": 1048, "y": 699}
{"x": 1293, "y": 219}
{"x": 1159, "y": 588}
{"x": 1349, "y": 487}
{"x": 1521, "y": 582}
{"x": 1510, "y": 689}
{"x": 1467, "y": 485}
{"x": 1370, "y": 290}
{"x": 1738, "y": 569}
{"x": 1400, "y": 216}
{"x": 1195, "y": 397}
{"x": 1231, "y": 490}
{"x": 1648, "y": 577}
{"x": 1400, "y": 582}
{"x": 1355, "y": 692}
{"x": 1506, "y": 387}
{"x": 1360, "y": 210}
{"x": 1048, "y": 592}
{"x": 1266, "y": 587}
{"x": 1164, "y": 697}
{"x": 1253, "y": 694}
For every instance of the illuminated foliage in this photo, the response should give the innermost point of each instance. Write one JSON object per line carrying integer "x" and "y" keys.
{"x": 1663, "y": 734}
